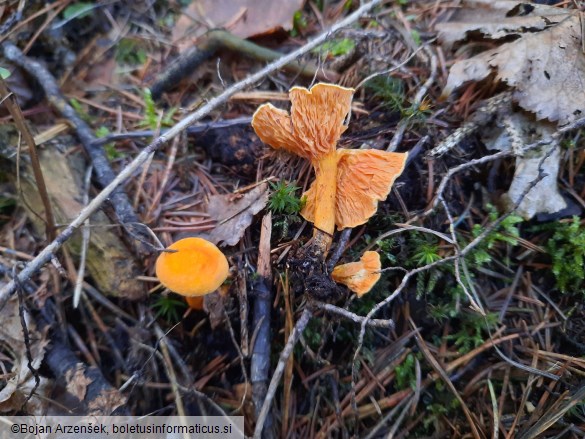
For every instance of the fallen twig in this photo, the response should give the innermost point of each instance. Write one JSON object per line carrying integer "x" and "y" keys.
{"x": 262, "y": 300}
{"x": 275, "y": 381}
{"x": 45, "y": 255}
{"x": 376, "y": 323}
{"x": 217, "y": 39}
{"x": 195, "y": 129}
{"x": 11, "y": 103}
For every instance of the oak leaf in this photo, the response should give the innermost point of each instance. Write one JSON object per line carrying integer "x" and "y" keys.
{"x": 544, "y": 69}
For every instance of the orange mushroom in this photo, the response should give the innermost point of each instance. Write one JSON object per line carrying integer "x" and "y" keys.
{"x": 348, "y": 183}
{"x": 196, "y": 267}
{"x": 359, "y": 276}
{"x": 195, "y": 302}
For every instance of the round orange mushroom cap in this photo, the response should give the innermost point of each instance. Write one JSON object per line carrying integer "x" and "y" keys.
{"x": 315, "y": 123}
{"x": 196, "y": 268}
{"x": 359, "y": 276}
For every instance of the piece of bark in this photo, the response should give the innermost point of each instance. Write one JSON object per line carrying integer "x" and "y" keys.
{"x": 110, "y": 264}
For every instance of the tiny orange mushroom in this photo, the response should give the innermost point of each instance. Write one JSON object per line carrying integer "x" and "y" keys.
{"x": 359, "y": 276}
{"x": 348, "y": 183}
{"x": 195, "y": 302}
{"x": 196, "y": 267}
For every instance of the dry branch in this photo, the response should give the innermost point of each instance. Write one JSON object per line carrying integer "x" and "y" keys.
{"x": 260, "y": 366}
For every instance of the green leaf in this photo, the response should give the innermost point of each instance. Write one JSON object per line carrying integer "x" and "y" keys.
{"x": 78, "y": 10}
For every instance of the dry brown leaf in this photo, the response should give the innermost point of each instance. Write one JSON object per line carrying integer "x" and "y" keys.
{"x": 106, "y": 402}
{"x": 13, "y": 348}
{"x": 214, "y": 306}
{"x": 545, "y": 70}
{"x": 243, "y": 18}
{"x": 234, "y": 214}
{"x": 497, "y": 19}
{"x": 77, "y": 382}
{"x": 545, "y": 196}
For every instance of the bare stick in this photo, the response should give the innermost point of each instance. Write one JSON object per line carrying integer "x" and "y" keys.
{"x": 275, "y": 381}
{"x": 10, "y": 101}
{"x": 85, "y": 236}
{"x": 376, "y": 323}
{"x": 45, "y": 255}
{"x": 263, "y": 297}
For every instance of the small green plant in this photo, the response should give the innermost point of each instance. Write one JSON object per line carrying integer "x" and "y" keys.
{"x": 474, "y": 328}
{"x": 387, "y": 89}
{"x": 299, "y": 24}
{"x": 416, "y": 37}
{"x": 283, "y": 199}
{"x": 80, "y": 110}
{"x": 405, "y": 373}
{"x": 168, "y": 307}
{"x": 335, "y": 47}
{"x": 285, "y": 203}
{"x": 110, "y": 149}
{"x": 567, "y": 250}
{"x": 426, "y": 253}
{"x": 507, "y": 232}
{"x": 129, "y": 52}
{"x": 151, "y": 115}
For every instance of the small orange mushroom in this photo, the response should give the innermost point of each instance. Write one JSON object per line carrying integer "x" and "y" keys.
{"x": 196, "y": 267}
{"x": 359, "y": 276}
{"x": 195, "y": 302}
{"x": 348, "y": 183}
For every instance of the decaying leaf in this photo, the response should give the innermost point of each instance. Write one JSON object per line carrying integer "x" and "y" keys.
{"x": 497, "y": 19}
{"x": 214, "y": 305}
{"x": 106, "y": 402}
{"x": 544, "y": 69}
{"x": 77, "y": 382}
{"x": 243, "y": 18}
{"x": 15, "y": 390}
{"x": 234, "y": 214}
{"x": 544, "y": 197}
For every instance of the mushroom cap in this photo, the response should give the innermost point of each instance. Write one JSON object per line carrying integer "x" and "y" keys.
{"x": 359, "y": 276}
{"x": 315, "y": 123}
{"x": 196, "y": 268}
{"x": 364, "y": 177}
